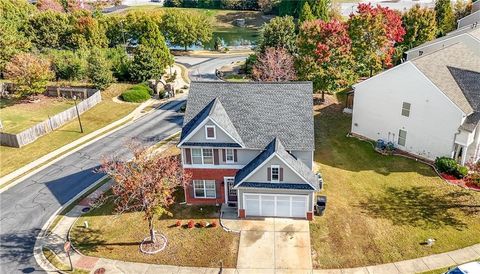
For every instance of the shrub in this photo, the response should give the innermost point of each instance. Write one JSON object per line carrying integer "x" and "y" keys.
{"x": 190, "y": 224}
{"x": 202, "y": 224}
{"x": 137, "y": 94}
{"x": 446, "y": 165}
{"x": 461, "y": 172}
{"x": 213, "y": 224}
{"x": 178, "y": 223}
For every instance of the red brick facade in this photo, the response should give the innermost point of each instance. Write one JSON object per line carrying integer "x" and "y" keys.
{"x": 208, "y": 174}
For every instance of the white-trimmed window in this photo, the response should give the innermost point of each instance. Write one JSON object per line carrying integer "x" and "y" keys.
{"x": 210, "y": 132}
{"x": 275, "y": 176}
{"x": 402, "y": 137}
{"x": 204, "y": 189}
{"x": 229, "y": 155}
{"x": 406, "y": 109}
{"x": 207, "y": 156}
{"x": 197, "y": 156}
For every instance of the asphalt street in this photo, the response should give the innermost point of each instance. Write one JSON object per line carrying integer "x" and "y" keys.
{"x": 26, "y": 207}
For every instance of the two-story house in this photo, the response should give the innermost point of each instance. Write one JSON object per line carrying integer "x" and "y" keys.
{"x": 251, "y": 145}
{"x": 428, "y": 106}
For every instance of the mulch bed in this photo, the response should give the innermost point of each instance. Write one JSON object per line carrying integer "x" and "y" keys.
{"x": 460, "y": 182}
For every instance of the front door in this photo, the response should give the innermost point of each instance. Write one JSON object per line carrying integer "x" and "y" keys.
{"x": 230, "y": 193}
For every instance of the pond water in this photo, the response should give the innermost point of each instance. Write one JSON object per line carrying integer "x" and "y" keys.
{"x": 231, "y": 38}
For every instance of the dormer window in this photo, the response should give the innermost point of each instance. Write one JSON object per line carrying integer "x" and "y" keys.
{"x": 275, "y": 173}
{"x": 210, "y": 132}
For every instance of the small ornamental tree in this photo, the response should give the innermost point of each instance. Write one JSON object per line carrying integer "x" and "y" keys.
{"x": 325, "y": 55}
{"x": 98, "y": 70}
{"x": 420, "y": 26}
{"x": 374, "y": 32}
{"x": 144, "y": 184}
{"x": 306, "y": 13}
{"x": 274, "y": 65}
{"x": 29, "y": 72}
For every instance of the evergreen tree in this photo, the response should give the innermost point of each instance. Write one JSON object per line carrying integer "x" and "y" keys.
{"x": 306, "y": 13}
{"x": 49, "y": 29}
{"x": 152, "y": 56}
{"x": 444, "y": 16}
{"x": 321, "y": 9}
{"x": 98, "y": 70}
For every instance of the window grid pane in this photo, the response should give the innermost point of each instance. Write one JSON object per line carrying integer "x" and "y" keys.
{"x": 196, "y": 156}
{"x": 275, "y": 172}
{"x": 229, "y": 155}
{"x": 406, "y": 109}
{"x": 402, "y": 137}
{"x": 207, "y": 156}
{"x": 210, "y": 132}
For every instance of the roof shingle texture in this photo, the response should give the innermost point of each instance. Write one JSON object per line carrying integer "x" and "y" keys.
{"x": 455, "y": 70}
{"x": 258, "y": 111}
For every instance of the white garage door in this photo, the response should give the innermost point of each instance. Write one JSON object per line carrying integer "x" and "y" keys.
{"x": 275, "y": 205}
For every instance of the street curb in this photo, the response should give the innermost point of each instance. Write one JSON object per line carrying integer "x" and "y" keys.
{"x": 127, "y": 121}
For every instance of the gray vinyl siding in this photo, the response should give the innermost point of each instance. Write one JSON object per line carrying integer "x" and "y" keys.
{"x": 305, "y": 156}
{"x": 244, "y": 156}
{"x": 289, "y": 176}
{"x": 275, "y": 191}
{"x": 221, "y": 137}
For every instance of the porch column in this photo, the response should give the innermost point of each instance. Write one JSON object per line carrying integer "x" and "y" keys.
{"x": 464, "y": 155}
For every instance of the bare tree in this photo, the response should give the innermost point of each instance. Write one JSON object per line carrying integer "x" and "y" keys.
{"x": 274, "y": 65}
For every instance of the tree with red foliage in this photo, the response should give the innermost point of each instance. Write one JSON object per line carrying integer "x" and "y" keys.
{"x": 325, "y": 55}
{"x": 374, "y": 32}
{"x": 274, "y": 65}
{"x": 54, "y": 5}
{"x": 145, "y": 184}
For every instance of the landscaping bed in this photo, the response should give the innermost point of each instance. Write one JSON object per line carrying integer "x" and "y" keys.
{"x": 101, "y": 115}
{"x": 382, "y": 208}
{"x": 118, "y": 237}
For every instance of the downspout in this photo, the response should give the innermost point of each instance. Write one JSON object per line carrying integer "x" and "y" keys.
{"x": 454, "y": 139}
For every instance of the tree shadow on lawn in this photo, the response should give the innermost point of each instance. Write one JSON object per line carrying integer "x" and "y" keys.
{"x": 335, "y": 149}
{"x": 420, "y": 207}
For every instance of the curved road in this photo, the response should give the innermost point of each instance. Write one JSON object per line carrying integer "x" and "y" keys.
{"x": 26, "y": 207}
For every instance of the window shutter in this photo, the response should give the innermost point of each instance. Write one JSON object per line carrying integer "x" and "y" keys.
{"x": 215, "y": 157}
{"x": 235, "y": 155}
{"x": 188, "y": 156}
{"x": 224, "y": 155}
{"x": 269, "y": 174}
{"x": 281, "y": 174}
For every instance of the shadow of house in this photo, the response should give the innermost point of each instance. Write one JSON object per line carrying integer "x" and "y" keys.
{"x": 420, "y": 207}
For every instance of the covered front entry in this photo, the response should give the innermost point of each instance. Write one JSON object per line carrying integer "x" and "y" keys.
{"x": 275, "y": 205}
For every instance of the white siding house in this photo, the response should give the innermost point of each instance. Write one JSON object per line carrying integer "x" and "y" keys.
{"x": 428, "y": 107}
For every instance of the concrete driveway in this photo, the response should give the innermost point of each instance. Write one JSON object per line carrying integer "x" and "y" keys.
{"x": 274, "y": 245}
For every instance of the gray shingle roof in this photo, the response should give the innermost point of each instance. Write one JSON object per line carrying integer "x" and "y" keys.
{"x": 298, "y": 186}
{"x": 199, "y": 144}
{"x": 453, "y": 70}
{"x": 276, "y": 146}
{"x": 257, "y": 111}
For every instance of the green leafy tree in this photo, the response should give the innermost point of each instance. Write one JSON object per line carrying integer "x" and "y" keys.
{"x": 152, "y": 56}
{"x": 321, "y": 9}
{"x": 444, "y": 17}
{"x": 53, "y": 5}
{"x": 185, "y": 28}
{"x": 120, "y": 63}
{"x": 49, "y": 29}
{"x": 306, "y": 13}
{"x": 29, "y": 72}
{"x": 462, "y": 8}
{"x": 289, "y": 7}
{"x": 98, "y": 70}
{"x": 279, "y": 33}
{"x": 325, "y": 55}
{"x": 86, "y": 31}
{"x": 420, "y": 26}
{"x": 374, "y": 31}
{"x": 68, "y": 65}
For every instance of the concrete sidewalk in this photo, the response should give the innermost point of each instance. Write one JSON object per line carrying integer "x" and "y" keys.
{"x": 56, "y": 155}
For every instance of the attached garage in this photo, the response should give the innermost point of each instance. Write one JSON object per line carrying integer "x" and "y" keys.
{"x": 275, "y": 205}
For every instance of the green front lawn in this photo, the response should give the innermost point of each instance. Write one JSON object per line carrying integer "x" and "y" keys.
{"x": 19, "y": 114}
{"x": 101, "y": 115}
{"x": 118, "y": 237}
{"x": 381, "y": 208}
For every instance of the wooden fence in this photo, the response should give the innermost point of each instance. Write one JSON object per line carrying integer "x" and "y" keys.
{"x": 68, "y": 92}
{"x": 29, "y": 135}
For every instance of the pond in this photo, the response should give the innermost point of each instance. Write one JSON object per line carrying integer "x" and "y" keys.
{"x": 235, "y": 37}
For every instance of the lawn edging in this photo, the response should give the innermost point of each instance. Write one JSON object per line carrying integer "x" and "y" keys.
{"x": 405, "y": 155}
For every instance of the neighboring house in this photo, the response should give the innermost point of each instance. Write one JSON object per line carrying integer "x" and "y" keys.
{"x": 475, "y": 6}
{"x": 469, "y": 35}
{"x": 471, "y": 19}
{"x": 428, "y": 106}
{"x": 251, "y": 145}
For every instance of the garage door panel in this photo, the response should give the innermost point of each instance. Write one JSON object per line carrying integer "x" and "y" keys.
{"x": 276, "y": 205}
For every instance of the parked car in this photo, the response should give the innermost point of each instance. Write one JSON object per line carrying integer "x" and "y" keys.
{"x": 468, "y": 268}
